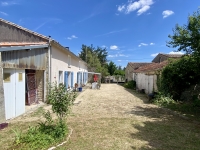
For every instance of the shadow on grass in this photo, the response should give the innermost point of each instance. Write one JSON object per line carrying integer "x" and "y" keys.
{"x": 162, "y": 130}
{"x": 142, "y": 96}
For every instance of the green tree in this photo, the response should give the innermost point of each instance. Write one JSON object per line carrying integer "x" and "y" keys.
{"x": 179, "y": 75}
{"x": 111, "y": 68}
{"x": 102, "y": 55}
{"x": 187, "y": 37}
{"x": 96, "y": 59}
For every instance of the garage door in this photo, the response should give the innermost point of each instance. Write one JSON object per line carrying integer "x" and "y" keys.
{"x": 14, "y": 92}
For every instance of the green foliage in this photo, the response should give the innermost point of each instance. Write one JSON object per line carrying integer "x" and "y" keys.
{"x": 187, "y": 37}
{"x": 61, "y": 100}
{"x": 130, "y": 84}
{"x": 49, "y": 132}
{"x": 179, "y": 75}
{"x": 41, "y": 136}
{"x": 111, "y": 68}
{"x": 163, "y": 100}
{"x": 96, "y": 58}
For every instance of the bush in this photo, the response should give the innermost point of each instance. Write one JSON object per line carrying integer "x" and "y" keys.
{"x": 49, "y": 132}
{"x": 179, "y": 75}
{"x": 163, "y": 100}
{"x": 130, "y": 84}
{"x": 41, "y": 136}
{"x": 61, "y": 100}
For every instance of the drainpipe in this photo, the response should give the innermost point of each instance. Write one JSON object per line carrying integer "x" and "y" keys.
{"x": 49, "y": 54}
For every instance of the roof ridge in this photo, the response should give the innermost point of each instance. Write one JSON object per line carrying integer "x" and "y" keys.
{"x": 25, "y": 29}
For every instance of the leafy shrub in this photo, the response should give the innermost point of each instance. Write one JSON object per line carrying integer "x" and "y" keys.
{"x": 61, "y": 100}
{"x": 179, "y": 75}
{"x": 49, "y": 132}
{"x": 163, "y": 100}
{"x": 130, "y": 84}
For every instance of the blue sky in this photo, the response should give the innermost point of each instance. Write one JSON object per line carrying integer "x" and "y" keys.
{"x": 131, "y": 30}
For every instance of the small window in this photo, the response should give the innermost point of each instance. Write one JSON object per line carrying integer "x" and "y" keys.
{"x": 69, "y": 61}
{"x": 20, "y": 77}
{"x": 60, "y": 77}
{"x": 6, "y": 77}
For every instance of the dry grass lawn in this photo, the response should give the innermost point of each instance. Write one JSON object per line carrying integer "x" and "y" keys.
{"x": 116, "y": 118}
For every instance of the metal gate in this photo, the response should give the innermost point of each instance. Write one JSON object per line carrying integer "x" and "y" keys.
{"x": 31, "y": 88}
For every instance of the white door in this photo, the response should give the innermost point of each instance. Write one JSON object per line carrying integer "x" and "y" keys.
{"x": 14, "y": 92}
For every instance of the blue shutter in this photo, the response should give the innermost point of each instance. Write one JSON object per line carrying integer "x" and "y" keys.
{"x": 77, "y": 77}
{"x": 81, "y": 78}
{"x": 66, "y": 79}
{"x": 86, "y": 77}
{"x": 72, "y": 79}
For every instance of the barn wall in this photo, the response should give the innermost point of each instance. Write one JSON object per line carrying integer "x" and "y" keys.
{"x": 25, "y": 59}
{"x": 13, "y": 33}
{"x": 145, "y": 82}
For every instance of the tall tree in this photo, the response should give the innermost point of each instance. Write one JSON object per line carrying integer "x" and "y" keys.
{"x": 187, "y": 37}
{"x": 95, "y": 58}
{"x": 111, "y": 68}
{"x": 102, "y": 54}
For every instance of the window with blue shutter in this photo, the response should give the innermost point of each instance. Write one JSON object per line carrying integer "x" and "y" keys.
{"x": 72, "y": 79}
{"x": 66, "y": 79}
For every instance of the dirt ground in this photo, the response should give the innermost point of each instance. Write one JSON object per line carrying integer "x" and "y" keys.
{"x": 111, "y": 100}
{"x": 116, "y": 118}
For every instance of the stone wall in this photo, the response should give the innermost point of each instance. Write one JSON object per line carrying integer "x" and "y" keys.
{"x": 40, "y": 84}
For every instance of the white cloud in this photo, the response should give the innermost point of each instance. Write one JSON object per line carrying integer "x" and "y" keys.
{"x": 119, "y": 60}
{"x": 114, "y": 47}
{"x": 72, "y": 37}
{"x": 3, "y": 13}
{"x": 8, "y": 3}
{"x": 167, "y": 13}
{"x": 176, "y": 52}
{"x": 121, "y": 8}
{"x": 142, "y": 10}
{"x": 140, "y": 5}
{"x": 152, "y": 43}
{"x": 142, "y": 44}
{"x": 154, "y": 55}
{"x": 112, "y": 55}
{"x": 122, "y": 55}
{"x": 104, "y": 46}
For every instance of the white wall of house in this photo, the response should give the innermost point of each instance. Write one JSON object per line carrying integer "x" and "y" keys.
{"x": 146, "y": 82}
{"x": 63, "y": 61}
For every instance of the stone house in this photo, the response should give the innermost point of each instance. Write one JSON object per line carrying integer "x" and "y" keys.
{"x": 146, "y": 76}
{"x": 162, "y": 57}
{"x": 28, "y": 62}
{"x": 131, "y": 66}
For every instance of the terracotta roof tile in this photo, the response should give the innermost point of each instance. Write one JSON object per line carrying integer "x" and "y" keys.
{"x": 136, "y": 65}
{"x": 172, "y": 55}
{"x": 7, "y": 44}
{"x": 151, "y": 67}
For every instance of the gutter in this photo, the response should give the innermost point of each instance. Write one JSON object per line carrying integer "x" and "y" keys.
{"x": 49, "y": 55}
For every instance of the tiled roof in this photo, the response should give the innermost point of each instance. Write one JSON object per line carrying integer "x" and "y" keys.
{"x": 136, "y": 65}
{"x": 151, "y": 67}
{"x": 22, "y": 28}
{"x": 172, "y": 55}
{"x": 6, "y": 44}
